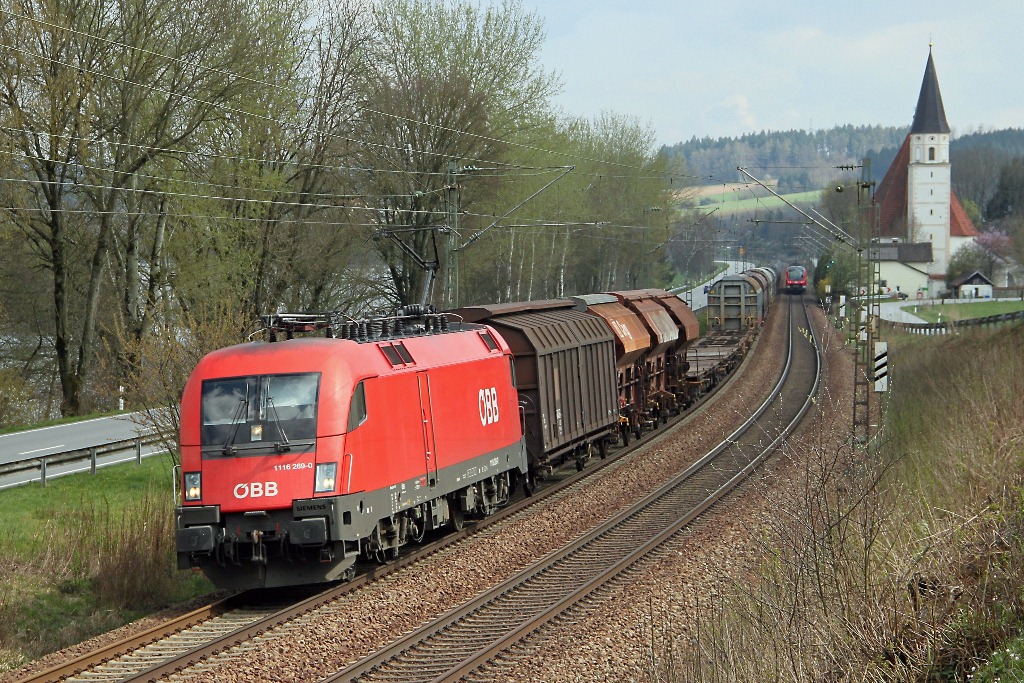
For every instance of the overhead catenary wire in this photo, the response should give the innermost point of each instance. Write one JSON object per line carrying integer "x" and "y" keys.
{"x": 225, "y": 217}
{"x": 368, "y": 144}
{"x": 496, "y": 171}
{"x": 827, "y": 225}
{"x": 234, "y": 199}
{"x": 497, "y": 168}
{"x": 313, "y": 222}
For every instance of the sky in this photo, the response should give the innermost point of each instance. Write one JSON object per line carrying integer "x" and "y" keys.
{"x": 722, "y": 68}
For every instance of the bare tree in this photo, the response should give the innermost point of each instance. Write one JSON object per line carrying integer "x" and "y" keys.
{"x": 100, "y": 91}
{"x": 448, "y": 82}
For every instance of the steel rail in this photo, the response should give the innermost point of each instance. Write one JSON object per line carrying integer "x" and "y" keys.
{"x": 120, "y": 647}
{"x": 433, "y": 639}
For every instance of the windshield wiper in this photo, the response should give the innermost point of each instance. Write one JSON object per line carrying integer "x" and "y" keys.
{"x": 282, "y": 446}
{"x": 240, "y": 412}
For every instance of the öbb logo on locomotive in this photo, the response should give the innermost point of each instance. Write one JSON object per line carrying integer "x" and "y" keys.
{"x": 488, "y": 405}
{"x": 256, "y": 489}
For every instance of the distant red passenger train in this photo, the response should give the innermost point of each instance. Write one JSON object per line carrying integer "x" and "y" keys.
{"x": 796, "y": 279}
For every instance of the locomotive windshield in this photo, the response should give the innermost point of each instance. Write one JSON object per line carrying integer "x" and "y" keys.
{"x": 795, "y": 272}
{"x": 259, "y": 412}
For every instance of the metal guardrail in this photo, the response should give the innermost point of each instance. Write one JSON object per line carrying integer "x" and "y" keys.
{"x": 90, "y": 454}
{"x": 955, "y": 326}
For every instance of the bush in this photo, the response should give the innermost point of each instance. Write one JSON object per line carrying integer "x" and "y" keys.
{"x": 86, "y": 555}
{"x": 905, "y": 564}
{"x": 15, "y": 400}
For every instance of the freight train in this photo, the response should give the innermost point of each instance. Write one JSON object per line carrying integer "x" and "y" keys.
{"x": 336, "y": 441}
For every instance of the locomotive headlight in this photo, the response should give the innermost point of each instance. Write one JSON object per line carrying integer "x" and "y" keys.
{"x": 193, "y": 485}
{"x": 325, "y": 473}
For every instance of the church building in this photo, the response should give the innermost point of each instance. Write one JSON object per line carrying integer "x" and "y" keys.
{"x": 921, "y": 223}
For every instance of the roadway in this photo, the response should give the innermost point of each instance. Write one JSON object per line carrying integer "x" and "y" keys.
{"x": 72, "y": 436}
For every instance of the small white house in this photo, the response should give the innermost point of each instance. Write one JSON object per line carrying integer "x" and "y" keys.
{"x": 973, "y": 286}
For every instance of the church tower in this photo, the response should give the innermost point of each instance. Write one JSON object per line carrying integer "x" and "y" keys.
{"x": 928, "y": 177}
{"x": 921, "y": 223}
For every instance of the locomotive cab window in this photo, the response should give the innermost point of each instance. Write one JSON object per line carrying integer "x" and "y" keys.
{"x": 489, "y": 341}
{"x": 259, "y": 412}
{"x": 357, "y": 409}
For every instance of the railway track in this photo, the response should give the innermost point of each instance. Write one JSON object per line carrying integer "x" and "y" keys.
{"x": 136, "y": 653}
{"x": 492, "y": 631}
{"x": 176, "y": 645}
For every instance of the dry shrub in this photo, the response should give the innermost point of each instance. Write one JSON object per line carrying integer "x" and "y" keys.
{"x": 135, "y": 563}
{"x": 897, "y": 565}
{"x": 127, "y": 556}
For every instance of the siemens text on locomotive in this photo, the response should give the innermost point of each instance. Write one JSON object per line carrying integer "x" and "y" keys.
{"x": 304, "y": 454}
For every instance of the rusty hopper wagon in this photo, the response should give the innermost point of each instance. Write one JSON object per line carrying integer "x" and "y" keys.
{"x": 665, "y": 336}
{"x": 689, "y": 333}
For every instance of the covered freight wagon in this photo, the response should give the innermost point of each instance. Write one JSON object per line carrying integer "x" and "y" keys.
{"x": 739, "y": 302}
{"x": 564, "y": 363}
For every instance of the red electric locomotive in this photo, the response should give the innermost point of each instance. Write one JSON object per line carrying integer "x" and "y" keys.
{"x": 301, "y": 456}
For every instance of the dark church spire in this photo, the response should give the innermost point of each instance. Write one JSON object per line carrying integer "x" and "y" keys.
{"x": 930, "y": 116}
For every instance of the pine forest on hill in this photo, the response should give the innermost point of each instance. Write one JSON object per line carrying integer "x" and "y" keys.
{"x": 804, "y": 161}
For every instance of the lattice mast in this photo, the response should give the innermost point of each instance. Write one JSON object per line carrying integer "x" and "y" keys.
{"x": 866, "y": 309}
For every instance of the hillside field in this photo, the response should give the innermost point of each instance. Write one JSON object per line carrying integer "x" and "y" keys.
{"x": 747, "y": 198}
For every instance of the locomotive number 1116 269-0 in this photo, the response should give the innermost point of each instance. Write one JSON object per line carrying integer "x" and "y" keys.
{"x": 293, "y": 466}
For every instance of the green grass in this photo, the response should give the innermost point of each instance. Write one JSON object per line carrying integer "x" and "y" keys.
{"x": 966, "y": 311}
{"x": 24, "y": 510}
{"x": 1005, "y": 664}
{"x": 87, "y": 554}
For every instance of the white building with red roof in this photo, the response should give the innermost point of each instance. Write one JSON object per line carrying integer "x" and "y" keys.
{"x": 921, "y": 223}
